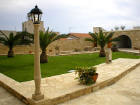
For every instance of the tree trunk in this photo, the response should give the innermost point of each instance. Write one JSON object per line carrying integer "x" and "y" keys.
{"x": 43, "y": 57}
{"x": 10, "y": 53}
{"x": 102, "y": 52}
{"x": 95, "y": 44}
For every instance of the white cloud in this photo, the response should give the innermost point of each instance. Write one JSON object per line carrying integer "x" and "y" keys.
{"x": 82, "y": 15}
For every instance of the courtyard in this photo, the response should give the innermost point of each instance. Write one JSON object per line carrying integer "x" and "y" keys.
{"x": 70, "y": 88}
{"x": 23, "y": 87}
{"x": 20, "y": 68}
{"x": 83, "y": 52}
{"x": 121, "y": 93}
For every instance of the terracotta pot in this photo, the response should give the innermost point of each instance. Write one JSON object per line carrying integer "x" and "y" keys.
{"x": 95, "y": 77}
{"x": 109, "y": 45}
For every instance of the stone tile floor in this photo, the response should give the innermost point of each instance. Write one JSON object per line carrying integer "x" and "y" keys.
{"x": 125, "y": 92}
{"x": 68, "y": 84}
{"x": 8, "y": 99}
{"x": 129, "y": 50}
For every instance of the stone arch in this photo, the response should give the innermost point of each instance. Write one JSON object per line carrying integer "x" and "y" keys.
{"x": 125, "y": 42}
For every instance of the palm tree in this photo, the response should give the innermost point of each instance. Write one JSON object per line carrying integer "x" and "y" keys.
{"x": 46, "y": 39}
{"x": 26, "y": 38}
{"x": 93, "y": 38}
{"x": 102, "y": 39}
{"x": 11, "y": 41}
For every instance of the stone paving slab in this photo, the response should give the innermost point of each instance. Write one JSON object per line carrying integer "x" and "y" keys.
{"x": 8, "y": 99}
{"x": 124, "y": 92}
{"x": 128, "y": 50}
{"x": 61, "y": 88}
{"x": 61, "y": 54}
{"x": 81, "y": 52}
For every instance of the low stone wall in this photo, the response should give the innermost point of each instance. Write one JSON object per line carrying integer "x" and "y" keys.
{"x": 19, "y": 49}
{"x": 64, "y": 45}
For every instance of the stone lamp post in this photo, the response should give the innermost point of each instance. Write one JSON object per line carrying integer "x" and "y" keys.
{"x": 35, "y": 16}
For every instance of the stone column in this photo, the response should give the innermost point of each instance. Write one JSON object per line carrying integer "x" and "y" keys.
{"x": 37, "y": 74}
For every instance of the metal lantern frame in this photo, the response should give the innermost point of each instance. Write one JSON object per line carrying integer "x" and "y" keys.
{"x": 35, "y": 15}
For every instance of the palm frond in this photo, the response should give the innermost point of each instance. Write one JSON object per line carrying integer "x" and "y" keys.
{"x": 93, "y": 39}
{"x": 25, "y": 37}
{"x": 48, "y": 37}
{"x": 2, "y": 39}
{"x": 89, "y": 39}
{"x": 93, "y": 35}
{"x": 4, "y": 35}
{"x": 60, "y": 36}
{"x": 110, "y": 35}
{"x": 115, "y": 39}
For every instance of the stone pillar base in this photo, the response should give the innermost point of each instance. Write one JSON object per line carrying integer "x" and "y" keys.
{"x": 37, "y": 97}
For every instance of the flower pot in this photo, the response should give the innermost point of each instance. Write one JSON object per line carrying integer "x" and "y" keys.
{"x": 109, "y": 45}
{"x": 95, "y": 77}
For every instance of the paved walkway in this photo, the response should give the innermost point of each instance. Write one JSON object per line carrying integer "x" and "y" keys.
{"x": 8, "y": 99}
{"x": 129, "y": 50}
{"x": 125, "y": 92}
{"x": 69, "y": 84}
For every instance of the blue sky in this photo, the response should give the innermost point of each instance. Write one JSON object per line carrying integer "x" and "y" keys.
{"x": 66, "y": 16}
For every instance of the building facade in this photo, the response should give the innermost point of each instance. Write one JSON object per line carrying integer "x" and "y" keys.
{"x": 28, "y": 26}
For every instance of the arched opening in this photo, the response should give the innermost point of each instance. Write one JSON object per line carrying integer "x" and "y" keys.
{"x": 124, "y": 42}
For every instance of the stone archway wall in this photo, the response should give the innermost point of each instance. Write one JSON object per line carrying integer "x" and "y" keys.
{"x": 134, "y": 36}
{"x": 125, "y": 42}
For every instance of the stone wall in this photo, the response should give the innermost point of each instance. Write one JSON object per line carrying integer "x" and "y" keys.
{"x": 70, "y": 45}
{"x": 64, "y": 45}
{"x": 29, "y": 27}
{"x": 73, "y": 45}
{"x": 134, "y": 36}
{"x": 19, "y": 49}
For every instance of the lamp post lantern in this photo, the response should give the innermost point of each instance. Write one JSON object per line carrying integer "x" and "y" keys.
{"x": 35, "y": 16}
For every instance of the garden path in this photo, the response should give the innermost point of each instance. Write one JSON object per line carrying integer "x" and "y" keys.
{"x": 124, "y": 92}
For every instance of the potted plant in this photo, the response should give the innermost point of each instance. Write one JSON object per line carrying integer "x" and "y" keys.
{"x": 86, "y": 75}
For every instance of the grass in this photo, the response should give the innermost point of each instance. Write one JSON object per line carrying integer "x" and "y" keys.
{"x": 21, "y": 69}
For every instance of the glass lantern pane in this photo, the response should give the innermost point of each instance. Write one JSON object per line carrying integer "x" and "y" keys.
{"x": 36, "y": 18}
{"x": 40, "y": 17}
{"x": 32, "y": 17}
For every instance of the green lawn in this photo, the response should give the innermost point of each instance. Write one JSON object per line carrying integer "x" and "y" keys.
{"x": 20, "y": 67}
